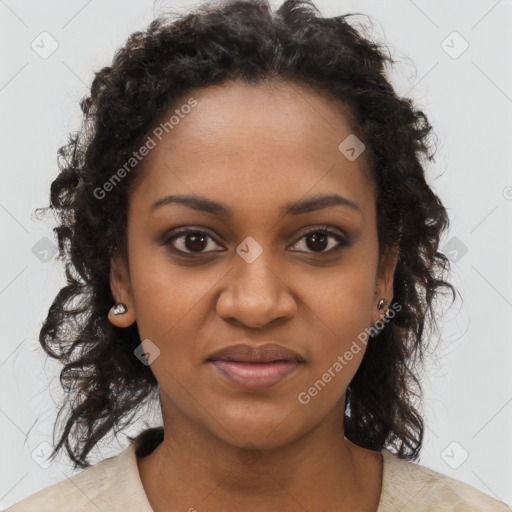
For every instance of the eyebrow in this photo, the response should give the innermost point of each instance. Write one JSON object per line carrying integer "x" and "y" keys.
{"x": 221, "y": 210}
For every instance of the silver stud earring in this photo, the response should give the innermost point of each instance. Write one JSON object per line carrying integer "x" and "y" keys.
{"x": 119, "y": 309}
{"x": 383, "y": 304}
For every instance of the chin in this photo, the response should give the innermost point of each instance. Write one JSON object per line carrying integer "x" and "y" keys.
{"x": 263, "y": 429}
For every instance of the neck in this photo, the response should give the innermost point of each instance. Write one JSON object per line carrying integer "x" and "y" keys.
{"x": 322, "y": 470}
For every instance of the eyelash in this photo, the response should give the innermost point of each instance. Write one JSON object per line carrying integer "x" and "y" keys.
{"x": 342, "y": 241}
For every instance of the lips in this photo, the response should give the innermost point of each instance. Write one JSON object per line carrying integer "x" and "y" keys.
{"x": 259, "y": 354}
{"x": 255, "y": 368}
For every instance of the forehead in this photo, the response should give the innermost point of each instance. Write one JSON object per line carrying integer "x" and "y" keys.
{"x": 271, "y": 142}
{"x": 274, "y": 114}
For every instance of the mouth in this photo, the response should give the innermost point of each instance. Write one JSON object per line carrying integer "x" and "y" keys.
{"x": 255, "y": 368}
{"x": 256, "y": 376}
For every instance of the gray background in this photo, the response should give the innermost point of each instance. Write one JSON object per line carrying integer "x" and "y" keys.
{"x": 468, "y": 98}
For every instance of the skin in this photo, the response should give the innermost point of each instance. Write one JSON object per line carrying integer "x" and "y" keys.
{"x": 254, "y": 148}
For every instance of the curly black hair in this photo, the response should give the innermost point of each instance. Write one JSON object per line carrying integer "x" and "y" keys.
{"x": 241, "y": 40}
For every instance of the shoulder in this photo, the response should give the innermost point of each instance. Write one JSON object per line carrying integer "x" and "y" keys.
{"x": 104, "y": 486}
{"x": 408, "y": 486}
{"x": 82, "y": 490}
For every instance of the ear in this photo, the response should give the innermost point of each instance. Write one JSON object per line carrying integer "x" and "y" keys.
{"x": 384, "y": 285}
{"x": 121, "y": 290}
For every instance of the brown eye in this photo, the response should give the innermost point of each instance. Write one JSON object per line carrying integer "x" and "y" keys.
{"x": 189, "y": 241}
{"x": 318, "y": 240}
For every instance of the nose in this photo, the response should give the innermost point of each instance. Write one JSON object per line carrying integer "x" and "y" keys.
{"x": 255, "y": 294}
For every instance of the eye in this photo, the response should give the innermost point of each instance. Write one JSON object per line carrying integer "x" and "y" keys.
{"x": 189, "y": 241}
{"x": 318, "y": 239}
{"x": 197, "y": 241}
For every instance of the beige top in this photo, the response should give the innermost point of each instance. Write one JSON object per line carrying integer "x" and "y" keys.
{"x": 114, "y": 485}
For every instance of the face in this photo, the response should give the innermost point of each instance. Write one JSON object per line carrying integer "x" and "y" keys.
{"x": 251, "y": 269}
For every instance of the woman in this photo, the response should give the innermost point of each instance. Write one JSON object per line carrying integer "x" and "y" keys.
{"x": 248, "y": 234}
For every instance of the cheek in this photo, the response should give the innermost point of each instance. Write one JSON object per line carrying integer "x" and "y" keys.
{"x": 340, "y": 315}
{"x": 343, "y": 302}
{"x": 167, "y": 299}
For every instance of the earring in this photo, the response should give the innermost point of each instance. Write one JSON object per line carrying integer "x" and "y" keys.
{"x": 383, "y": 304}
{"x": 119, "y": 309}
